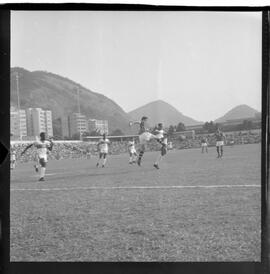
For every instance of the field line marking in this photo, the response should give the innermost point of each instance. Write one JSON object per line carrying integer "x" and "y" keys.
{"x": 130, "y": 187}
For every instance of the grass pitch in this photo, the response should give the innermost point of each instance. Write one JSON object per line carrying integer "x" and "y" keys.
{"x": 195, "y": 208}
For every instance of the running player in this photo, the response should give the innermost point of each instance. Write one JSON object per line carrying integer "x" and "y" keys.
{"x": 220, "y": 139}
{"x": 12, "y": 158}
{"x": 103, "y": 148}
{"x": 132, "y": 152}
{"x": 43, "y": 147}
{"x": 144, "y": 136}
{"x": 204, "y": 144}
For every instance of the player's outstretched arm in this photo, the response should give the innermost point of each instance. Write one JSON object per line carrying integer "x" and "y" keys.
{"x": 26, "y": 149}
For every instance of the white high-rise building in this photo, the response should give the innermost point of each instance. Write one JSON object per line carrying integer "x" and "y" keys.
{"x": 18, "y": 127}
{"x": 77, "y": 123}
{"x": 39, "y": 120}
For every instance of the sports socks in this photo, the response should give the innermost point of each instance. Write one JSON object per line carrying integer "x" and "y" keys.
{"x": 42, "y": 172}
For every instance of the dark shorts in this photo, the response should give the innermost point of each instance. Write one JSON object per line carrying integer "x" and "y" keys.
{"x": 42, "y": 162}
{"x": 102, "y": 155}
{"x": 163, "y": 150}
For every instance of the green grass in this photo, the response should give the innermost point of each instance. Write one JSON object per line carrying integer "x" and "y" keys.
{"x": 75, "y": 222}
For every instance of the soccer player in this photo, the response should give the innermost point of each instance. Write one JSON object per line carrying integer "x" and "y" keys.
{"x": 132, "y": 152}
{"x": 204, "y": 144}
{"x": 12, "y": 158}
{"x": 43, "y": 146}
{"x": 220, "y": 139}
{"x": 144, "y": 136}
{"x": 163, "y": 151}
{"x": 103, "y": 147}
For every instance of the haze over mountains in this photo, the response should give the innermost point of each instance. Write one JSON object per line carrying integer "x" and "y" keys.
{"x": 59, "y": 94}
{"x": 162, "y": 112}
{"x": 238, "y": 112}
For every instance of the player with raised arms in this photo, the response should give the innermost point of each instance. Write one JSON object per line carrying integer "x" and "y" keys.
{"x": 144, "y": 136}
{"x": 132, "y": 152}
{"x": 220, "y": 140}
{"x": 43, "y": 146}
{"x": 103, "y": 148}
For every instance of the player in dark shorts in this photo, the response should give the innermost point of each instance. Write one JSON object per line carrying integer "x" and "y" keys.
{"x": 204, "y": 144}
{"x": 220, "y": 140}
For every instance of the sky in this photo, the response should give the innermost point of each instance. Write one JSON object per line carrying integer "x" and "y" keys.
{"x": 203, "y": 63}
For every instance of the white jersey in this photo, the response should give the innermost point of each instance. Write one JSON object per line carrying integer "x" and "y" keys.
{"x": 131, "y": 146}
{"x": 103, "y": 145}
{"x": 42, "y": 148}
{"x": 13, "y": 156}
{"x": 160, "y": 133}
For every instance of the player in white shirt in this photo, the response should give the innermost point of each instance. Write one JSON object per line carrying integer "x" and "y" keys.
{"x": 161, "y": 136}
{"x": 103, "y": 148}
{"x": 132, "y": 152}
{"x": 12, "y": 158}
{"x": 43, "y": 146}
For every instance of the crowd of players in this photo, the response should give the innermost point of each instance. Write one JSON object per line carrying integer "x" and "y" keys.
{"x": 155, "y": 140}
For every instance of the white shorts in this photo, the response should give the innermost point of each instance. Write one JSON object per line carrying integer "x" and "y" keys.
{"x": 43, "y": 156}
{"x": 220, "y": 143}
{"x": 204, "y": 144}
{"x": 132, "y": 151}
{"x": 145, "y": 137}
{"x": 104, "y": 151}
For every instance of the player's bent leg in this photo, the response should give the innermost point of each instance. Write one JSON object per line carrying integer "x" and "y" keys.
{"x": 221, "y": 151}
{"x": 42, "y": 163}
{"x": 142, "y": 149}
{"x": 104, "y": 159}
{"x": 218, "y": 152}
{"x": 100, "y": 157}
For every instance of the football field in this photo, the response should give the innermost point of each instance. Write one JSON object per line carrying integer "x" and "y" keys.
{"x": 194, "y": 208}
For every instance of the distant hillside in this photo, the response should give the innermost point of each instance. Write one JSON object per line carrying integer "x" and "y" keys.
{"x": 160, "y": 111}
{"x": 59, "y": 94}
{"x": 238, "y": 112}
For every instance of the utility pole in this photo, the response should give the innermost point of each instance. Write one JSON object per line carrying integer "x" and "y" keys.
{"x": 19, "y": 106}
{"x": 79, "y": 111}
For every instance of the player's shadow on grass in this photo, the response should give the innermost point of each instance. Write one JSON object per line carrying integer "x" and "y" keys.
{"x": 96, "y": 174}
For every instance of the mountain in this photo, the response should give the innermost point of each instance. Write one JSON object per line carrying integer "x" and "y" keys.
{"x": 238, "y": 112}
{"x": 58, "y": 94}
{"x": 160, "y": 111}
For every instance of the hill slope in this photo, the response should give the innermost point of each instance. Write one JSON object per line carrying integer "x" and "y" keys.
{"x": 59, "y": 94}
{"x": 160, "y": 111}
{"x": 238, "y": 112}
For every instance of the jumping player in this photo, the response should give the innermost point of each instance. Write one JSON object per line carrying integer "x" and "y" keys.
{"x": 220, "y": 139}
{"x": 103, "y": 147}
{"x": 132, "y": 152}
{"x": 144, "y": 136}
{"x": 204, "y": 144}
{"x": 43, "y": 146}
